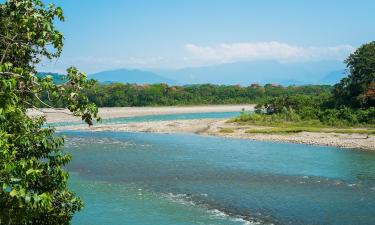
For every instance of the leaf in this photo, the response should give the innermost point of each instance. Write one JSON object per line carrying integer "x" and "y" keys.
{"x": 13, "y": 193}
{"x": 29, "y": 171}
{"x": 27, "y": 198}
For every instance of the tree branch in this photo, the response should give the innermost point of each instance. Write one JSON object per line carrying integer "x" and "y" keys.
{"x": 45, "y": 104}
{"x": 7, "y": 48}
{"x": 40, "y": 110}
{"x": 11, "y": 74}
{"x": 17, "y": 76}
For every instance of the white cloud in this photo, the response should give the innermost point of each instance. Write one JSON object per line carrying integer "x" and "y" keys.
{"x": 264, "y": 50}
{"x": 196, "y": 55}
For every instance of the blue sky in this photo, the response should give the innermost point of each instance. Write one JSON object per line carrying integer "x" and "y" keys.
{"x": 110, "y": 34}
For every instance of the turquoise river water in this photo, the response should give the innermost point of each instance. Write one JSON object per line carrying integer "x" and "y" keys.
{"x": 165, "y": 179}
{"x": 166, "y": 117}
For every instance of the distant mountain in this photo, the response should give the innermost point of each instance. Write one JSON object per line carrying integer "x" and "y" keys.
{"x": 57, "y": 78}
{"x": 245, "y": 73}
{"x": 292, "y": 82}
{"x": 333, "y": 77}
{"x": 130, "y": 76}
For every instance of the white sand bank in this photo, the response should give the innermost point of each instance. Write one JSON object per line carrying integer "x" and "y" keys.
{"x": 214, "y": 127}
{"x": 117, "y": 112}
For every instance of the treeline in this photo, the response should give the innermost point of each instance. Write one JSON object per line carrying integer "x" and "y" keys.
{"x": 117, "y": 94}
{"x": 351, "y": 102}
{"x": 309, "y": 110}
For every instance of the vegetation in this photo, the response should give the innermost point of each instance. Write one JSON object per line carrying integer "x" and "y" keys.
{"x": 308, "y": 116}
{"x": 226, "y": 130}
{"x": 351, "y": 103}
{"x": 298, "y": 129}
{"x": 33, "y": 183}
{"x": 117, "y": 95}
{"x": 358, "y": 89}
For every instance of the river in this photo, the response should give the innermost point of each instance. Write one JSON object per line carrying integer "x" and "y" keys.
{"x": 146, "y": 178}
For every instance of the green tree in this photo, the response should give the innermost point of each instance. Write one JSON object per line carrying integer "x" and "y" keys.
{"x": 33, "y": 183}
{"x": 358, "y": 89}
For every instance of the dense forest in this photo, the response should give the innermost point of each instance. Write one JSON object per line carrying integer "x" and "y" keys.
{"x": 117, "y": 94}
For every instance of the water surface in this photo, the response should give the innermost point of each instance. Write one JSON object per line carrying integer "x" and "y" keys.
{"x": 137, "y": 178}
{"x": 165, "y": 117}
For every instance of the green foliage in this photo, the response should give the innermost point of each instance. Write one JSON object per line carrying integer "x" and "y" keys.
{"x": 226, "y": 130}
{"x": 311, "y": 116}
{"x": 116, "y": 95}
{"x": 28, "y": 32}
{"x": 294, "y": 102}
{"x": 358, "y": 89}
{"x": 56, "y": 78}
{"x": 32, "y": 177}
{"x": 298, "y": 129}
{"x": 288, "y": 130}
{"x": 352, "y": 102}
{"x": 33, "y": 183}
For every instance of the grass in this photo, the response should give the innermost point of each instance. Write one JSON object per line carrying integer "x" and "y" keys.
{"x": 291, "y": 130}
{"x": 279, "y": 123}
{"x": 292, "y": 123}
{"x": 292, "y": 119}
{"x": 226, "y": 130}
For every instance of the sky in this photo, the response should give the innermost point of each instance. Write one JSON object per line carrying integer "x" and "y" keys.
{"x": 169, "y": 34}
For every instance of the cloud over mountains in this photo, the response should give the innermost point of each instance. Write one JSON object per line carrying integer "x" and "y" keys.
{"x": 249, "y": 51}
{"x": 194, "y": 55}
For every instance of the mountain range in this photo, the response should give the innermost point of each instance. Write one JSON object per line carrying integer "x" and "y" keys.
{"x": 245, "y": 73}
{"x": 131, "y": 76}
{"x": 242, "y": 73}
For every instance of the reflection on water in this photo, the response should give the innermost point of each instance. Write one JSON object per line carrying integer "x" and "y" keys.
{"x": 209, "y": 180}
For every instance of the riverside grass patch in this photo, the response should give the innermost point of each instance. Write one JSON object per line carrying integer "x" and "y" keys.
{"x": 292, "y": 130}
{"x": 227, "y": 130}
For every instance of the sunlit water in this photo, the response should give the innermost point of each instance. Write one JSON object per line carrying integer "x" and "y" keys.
{"x": 145, "y": 178}
{"x": 166, "y": 117}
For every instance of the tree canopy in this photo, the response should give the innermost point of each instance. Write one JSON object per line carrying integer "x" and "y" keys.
{"x": 351, "y": 103}
{"x": 358, "y": 88}
{"x": 33, "y": 183}
{"x": 116, "y": 95}
{"x": 28, "y": 32}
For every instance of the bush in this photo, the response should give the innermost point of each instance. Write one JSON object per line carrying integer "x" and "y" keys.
{"x": 309, "y": 116}
{"x": 367, "y": 116}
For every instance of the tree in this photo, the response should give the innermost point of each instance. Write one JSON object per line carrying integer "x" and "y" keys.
{"x": 357, "y": 90}
{"x": 33, "y": 183}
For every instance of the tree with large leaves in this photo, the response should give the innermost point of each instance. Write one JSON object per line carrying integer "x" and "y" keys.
{"x": 33, "y": 182}
{"x": 358, "y": 89}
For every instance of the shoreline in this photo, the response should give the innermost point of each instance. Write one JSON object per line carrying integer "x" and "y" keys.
{"x": 61, "y": 116}
{"x": 214, "y": 127}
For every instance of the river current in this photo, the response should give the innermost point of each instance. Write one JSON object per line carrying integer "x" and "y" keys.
{"x": 145, "y": 178}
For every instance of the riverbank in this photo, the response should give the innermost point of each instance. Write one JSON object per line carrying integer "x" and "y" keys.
{"x": 219, "y": 127}
{"x": 213, "y": 127}
{"x": 62, "y": 116}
